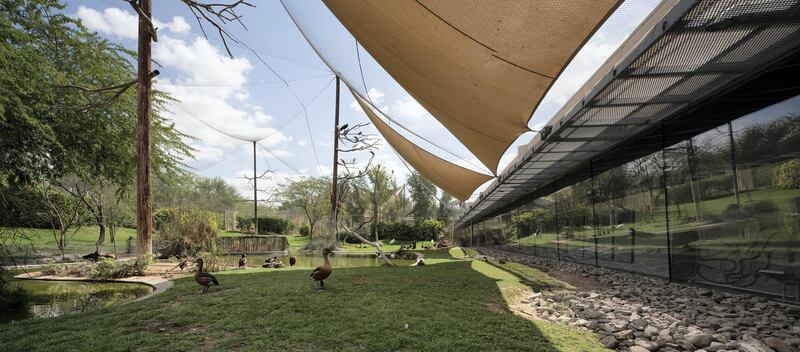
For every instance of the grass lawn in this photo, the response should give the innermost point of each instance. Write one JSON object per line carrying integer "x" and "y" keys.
{"x": 452, "y": 305}
{"x": 82, "y": 243}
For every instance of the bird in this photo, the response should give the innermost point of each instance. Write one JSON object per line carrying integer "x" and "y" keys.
{"x": 243, "y": 261}
{"x": 292, "y": 260}
{"x": 420, "y": 260}
{"x": 322, "y": 272}
{"x": 392, "y": 241}
{"x": 92, "y": 256}
{"x": 204, "y": 279}
{"x": 619, "y": 226}
{"x": 344, "y": 127}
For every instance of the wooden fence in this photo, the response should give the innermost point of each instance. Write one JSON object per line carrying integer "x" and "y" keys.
{"x": 252, "y": 244}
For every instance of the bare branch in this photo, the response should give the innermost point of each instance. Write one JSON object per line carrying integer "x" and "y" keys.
{"x": 218, "y": 15}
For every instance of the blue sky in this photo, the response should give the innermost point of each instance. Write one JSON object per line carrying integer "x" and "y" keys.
{"x": 242, "y": 97}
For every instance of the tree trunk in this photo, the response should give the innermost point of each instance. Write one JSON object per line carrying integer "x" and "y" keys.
{"x": 101, "y": 223}
{"x": 144, "y": 201}
{"x": 335, "y": 173}
{"x": 374, "y": 225}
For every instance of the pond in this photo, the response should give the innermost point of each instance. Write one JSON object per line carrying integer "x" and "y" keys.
{"x": 313, "y": 261}
{"x": 54, "y": 298}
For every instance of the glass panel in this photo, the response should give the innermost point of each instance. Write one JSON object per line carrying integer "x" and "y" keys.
{"x": 576, "y": 234}
{"x": 630, "y": 217}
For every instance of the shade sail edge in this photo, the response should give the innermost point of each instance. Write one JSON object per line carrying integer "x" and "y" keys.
{"x": 456, "y": 180}
{"x": 479, "y": 77}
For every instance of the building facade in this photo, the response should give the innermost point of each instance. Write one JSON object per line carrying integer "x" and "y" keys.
{"x": 721, "y": 208}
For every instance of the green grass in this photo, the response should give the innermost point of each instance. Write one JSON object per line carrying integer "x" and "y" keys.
{"x": 455, "y": 305}
{"x": 82, "y": 242}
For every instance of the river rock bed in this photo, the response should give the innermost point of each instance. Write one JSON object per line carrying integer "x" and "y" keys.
{"x": 639, "y": 313}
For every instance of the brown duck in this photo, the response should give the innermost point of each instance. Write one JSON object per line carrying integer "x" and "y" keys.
{"x": 322, "y": 272}
{"x": 243, "y": 261}
{"x": 204, "y": 279}
{"x": 292, "y": 260}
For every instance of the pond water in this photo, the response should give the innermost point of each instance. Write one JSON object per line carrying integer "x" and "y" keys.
{"x": 54, "y": 298}
{"x": 313, "y": 261}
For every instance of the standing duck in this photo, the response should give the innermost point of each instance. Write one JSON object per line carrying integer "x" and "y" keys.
{"x": 292, "y": 260}
{"x": 322, "y": 272}
{"x": 204, "y": 279}
{"x": 243, "y": 261}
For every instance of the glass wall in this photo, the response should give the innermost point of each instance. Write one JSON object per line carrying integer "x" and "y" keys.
{"x": 721, "y": 208}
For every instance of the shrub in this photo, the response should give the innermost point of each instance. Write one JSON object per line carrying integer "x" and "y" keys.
{"x": 212, "y": 261}
{"x": 266, "y": 224}
{"x": 760, "y": 207}
{"x": 318, "y": 244}
{"x": 787, "y": 175}
{"x": 305, "y": 230}
{"x": 187, "y": 231}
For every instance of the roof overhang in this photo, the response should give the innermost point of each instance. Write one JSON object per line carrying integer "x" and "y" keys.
{"x": 690, "y": 66}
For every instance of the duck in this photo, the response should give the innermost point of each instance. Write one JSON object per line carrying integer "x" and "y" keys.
{"x": 243, "y": 261}
{"x": 292, "y": 260}
{"x": 322, "y": 272}
{"x": 204, "y": 279}
{"x": 92, "y": 256}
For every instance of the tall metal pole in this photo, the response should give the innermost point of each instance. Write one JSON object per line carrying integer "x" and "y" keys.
{"x": 335, "y": 173}
{"x": 144, "y": 183}
{"x": 255, "y": 191}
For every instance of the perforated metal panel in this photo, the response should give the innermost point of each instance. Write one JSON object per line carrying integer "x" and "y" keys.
{"x": 693, "y": 52}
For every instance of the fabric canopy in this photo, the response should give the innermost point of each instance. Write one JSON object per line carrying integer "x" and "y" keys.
{"x": 458, "y": 181}
{"x": 480, "y": 67}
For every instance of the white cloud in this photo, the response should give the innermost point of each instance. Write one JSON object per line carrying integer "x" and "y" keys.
{"x": 375, "y": 96}
{"x": 408, "y": 108}
{"x": 124, "y": 24}
{"x": 302, "y": 143}
{"x": 112, "y": 21}
{"x": 178, "y": 25}
{"x": 211, "y": 97}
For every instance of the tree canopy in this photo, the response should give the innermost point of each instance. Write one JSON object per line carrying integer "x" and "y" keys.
{"x": 68, "y": 102}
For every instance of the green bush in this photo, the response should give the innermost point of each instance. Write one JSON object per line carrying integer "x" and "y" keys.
{"x": 266, "y": 224}
{"x": 305, "y": 230}
{"x": 787, "y": 175}
{"x": 760, "y": 207}
{"x": 421, "y": 230}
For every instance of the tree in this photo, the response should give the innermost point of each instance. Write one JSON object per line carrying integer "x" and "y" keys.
{"x": 787, "y": 175}
{"x": 66, "y": 107}
{"x": 422, "y": 194}
{"x": 215, "y": 15}
{"x": 311, "y": 195}
{"x": 381, "y": 189}
{"x": 66, "y": 214}
{"x": 447, "y": 207}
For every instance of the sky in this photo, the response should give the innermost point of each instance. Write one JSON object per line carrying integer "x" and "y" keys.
{"x": 280, "y": 92}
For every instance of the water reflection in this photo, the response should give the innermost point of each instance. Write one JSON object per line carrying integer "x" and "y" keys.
{"x": 54, "y": 298}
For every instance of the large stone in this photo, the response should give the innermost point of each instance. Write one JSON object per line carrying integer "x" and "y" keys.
{"x": 638, "y": 324}
{"x": 778, "y": 344}
{"x": 609, "y": 341}
{"x": 699, "y": 340}
{"x": 593, "y": 314}
{"x": 638, "y": 349}
{"x": 752, "y": 344}
{"x": 647, "y": 344}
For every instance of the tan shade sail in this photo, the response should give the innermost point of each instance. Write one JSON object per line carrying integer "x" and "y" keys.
{"x": 457, "y": 181}
{"x": 479, "y": 66}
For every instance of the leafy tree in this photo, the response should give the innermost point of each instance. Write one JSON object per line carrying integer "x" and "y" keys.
{"x": 422, "y": 194}
{"x": 447, "y": 207}
{"x": 311, "y": 195}
{"x": 382, "y": 187}
{"x": 67, "y": 110}
{"x": 787, "y": 175}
